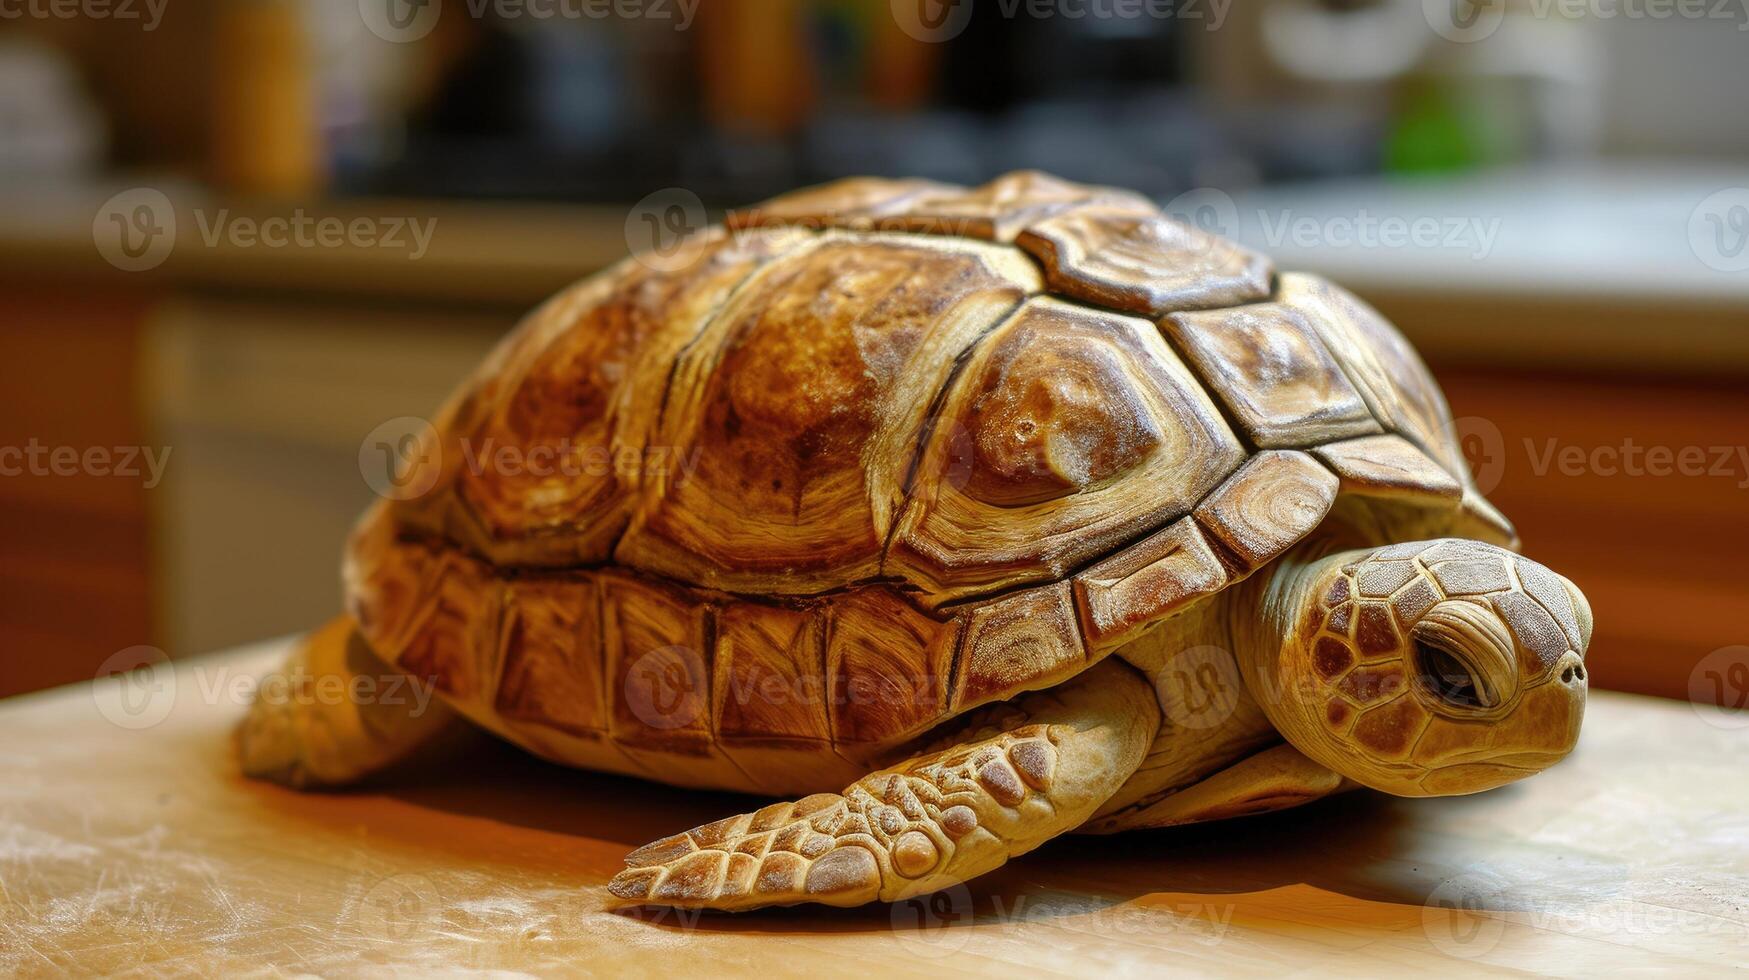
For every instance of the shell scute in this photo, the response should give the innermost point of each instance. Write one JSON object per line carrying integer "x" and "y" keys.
{"x": 1067, "y": 431}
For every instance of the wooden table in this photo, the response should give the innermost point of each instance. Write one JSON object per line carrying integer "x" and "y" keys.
{"x": 129, "y": 844}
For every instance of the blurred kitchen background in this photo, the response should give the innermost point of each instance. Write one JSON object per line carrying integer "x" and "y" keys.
{"x": 1578, "y": 174}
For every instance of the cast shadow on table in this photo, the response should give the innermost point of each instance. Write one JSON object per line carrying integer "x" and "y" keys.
{"x": 1365, "y": 846}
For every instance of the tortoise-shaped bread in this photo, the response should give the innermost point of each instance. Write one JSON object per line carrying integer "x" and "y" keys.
{"x": 969, "y": 517}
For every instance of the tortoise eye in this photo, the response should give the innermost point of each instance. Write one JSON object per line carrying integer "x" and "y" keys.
{"x": 1463, "y": 655}
{"x": 1450, "y": 679}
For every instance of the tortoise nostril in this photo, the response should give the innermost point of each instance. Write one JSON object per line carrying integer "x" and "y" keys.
{"x": 1567, "y": 676}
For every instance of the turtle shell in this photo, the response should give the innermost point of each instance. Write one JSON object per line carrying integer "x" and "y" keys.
{"x": 872, "y": 454}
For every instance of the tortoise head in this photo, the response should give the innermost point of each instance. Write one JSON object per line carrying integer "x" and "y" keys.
{"x": 1426, "y": 669}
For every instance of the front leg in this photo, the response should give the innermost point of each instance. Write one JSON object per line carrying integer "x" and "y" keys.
{"x": 1274, "y": 779}
{"x": 1018, "y": 775}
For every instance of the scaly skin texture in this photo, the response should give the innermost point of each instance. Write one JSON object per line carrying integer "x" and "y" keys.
{"x": 1027, "y": 773}
{"x": 1430, "y": 668}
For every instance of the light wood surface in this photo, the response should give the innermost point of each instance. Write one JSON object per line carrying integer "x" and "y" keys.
{"x": 135, "y": 848}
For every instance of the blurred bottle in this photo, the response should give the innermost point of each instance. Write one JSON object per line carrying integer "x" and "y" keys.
{"x": 755, "y": 71}
{"x": 265, "y": 127}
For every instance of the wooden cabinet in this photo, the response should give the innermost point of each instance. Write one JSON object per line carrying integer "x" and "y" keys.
{"x": 266, "y": 402}
{"x": 74, "y": 581}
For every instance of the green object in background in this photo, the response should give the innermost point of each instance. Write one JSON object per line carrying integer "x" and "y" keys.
{"x": 1443, "y": 129}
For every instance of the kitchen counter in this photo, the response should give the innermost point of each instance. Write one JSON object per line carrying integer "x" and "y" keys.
{"x": 130, "y": 845}
{"x": 497, "y": 254}
{"x": 1625, "y": 265}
